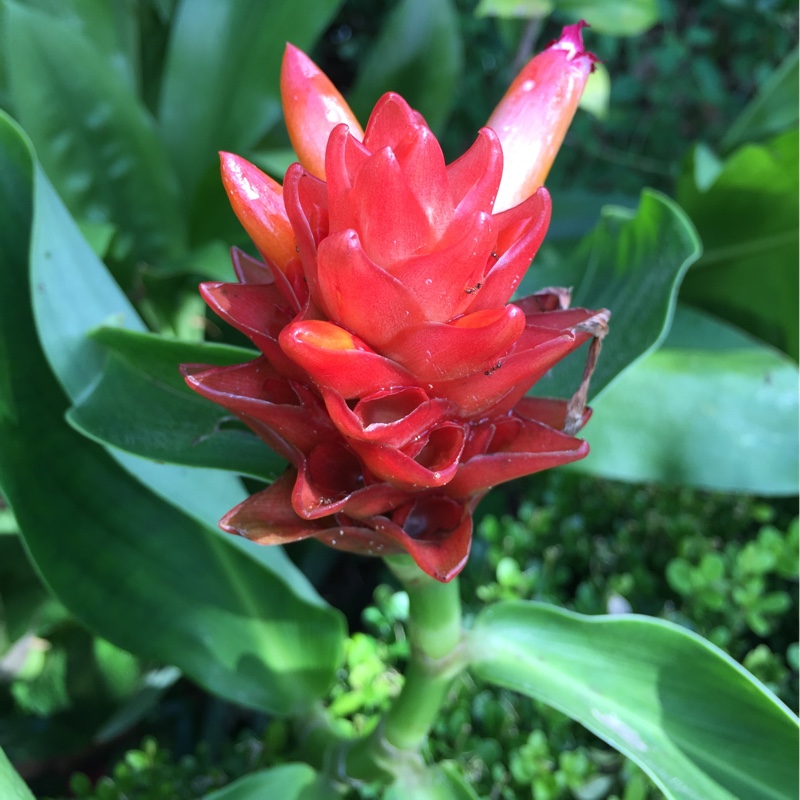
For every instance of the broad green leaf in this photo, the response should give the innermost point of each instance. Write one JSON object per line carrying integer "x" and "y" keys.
{"x": 418, "y": 54}
{"x": 12, "y": 786}
{"x": 442, "y": 781}
{"x": 746, "y": 214}
{"x": 112, "y": 28}
{"x": 127, "y": 563}
{"x": 773, "y": 110}
{"x": 95, "y": 139}
{"x": 141, "y": 404}
{"x": 696, "y": 721}
{"x": 712, "y": 408}
{"x": 576, "y": 213}
{"x": 613, "y": 17}
{"x": 597, "y": 92}
{"x": 515, "y": 8}
{"x": 632, "y": 265}
{"x": 220, "y": 89}
{"x": 287, "y": 782}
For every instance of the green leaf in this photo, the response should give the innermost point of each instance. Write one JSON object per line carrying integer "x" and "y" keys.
{"x": 746, "y": 214}
{"x": 287, "y": 782}
{"x": 514, "y": 8}
{"x": 613, "y": 17}
{"x": 773, "y": 110}
{"x": 221, "y": 78}
{"x": 112, "y": 28}
{"x": 96, "y": 141}
{"x": 712, "y": 408}
{"x": 631, "y": 264}
{"x": 692, "y": 718}
{"x": 442, "y": 781}
{"x": 141, "y": 404}
{"x": 130, "y": 565}
{"x": 597, "y": 92}
{"x": 419, "y": 54}
{"x": 12, "y": 786}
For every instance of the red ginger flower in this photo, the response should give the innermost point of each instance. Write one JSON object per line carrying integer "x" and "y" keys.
{"x": 394, "y": 370}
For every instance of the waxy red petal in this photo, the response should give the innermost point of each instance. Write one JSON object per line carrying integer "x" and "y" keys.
{"x": 436, "y": 351}
{"x": 422, "y": 163}
{"x": 390, "y": 219}
{"x": 442, "y": 535}
{"x": 520, "y": 232}
{"x": 268, "y": 517}
{"x": 259, "y": 311}
{"x": 547, "y": 410}
{"x": 254, "y": 390}
{"x": 338, "y": 360}
{"x": 331, "y": 480}
{"x": 445, "y": 281}
{"x": 475, "y": 177}
{"x": 312, "y": 107}
{"x": 392, "y": 417}
{"x": 534, "y": 114}
{"x": 388, "y": 123}
{"x": 360, "y": 295}
{"x": 257, "y": 201}
{"x": 249, "y": 270}
{"x": 343, "y": 158}
{"x": 430, "y": 463}
{"x": 538, "y": 349}
{"x": 530, "y": 447}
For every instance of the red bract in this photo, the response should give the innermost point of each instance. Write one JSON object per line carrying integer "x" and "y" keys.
{"x": 394, "y": 370}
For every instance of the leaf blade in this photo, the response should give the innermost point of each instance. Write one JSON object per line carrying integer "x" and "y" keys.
{"x": 661, "y": 695}
{"x": 133, "y": 567}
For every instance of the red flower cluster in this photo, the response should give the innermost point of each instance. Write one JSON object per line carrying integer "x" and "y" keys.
{"x": 394, "y": 370}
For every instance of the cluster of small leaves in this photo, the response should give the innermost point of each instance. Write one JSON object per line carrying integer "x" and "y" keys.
{"x": 684, "y": 81}
{"x": 595, "y": 546}
{"x": 606, "y": 547}
{"x": 151, "y": 772}
{"x": 723, "y": 565}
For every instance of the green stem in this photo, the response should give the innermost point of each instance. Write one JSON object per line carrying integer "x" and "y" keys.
{"x": 436, "y": 635}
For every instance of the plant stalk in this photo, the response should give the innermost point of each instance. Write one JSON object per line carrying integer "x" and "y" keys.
{"x": 436, "y": 657}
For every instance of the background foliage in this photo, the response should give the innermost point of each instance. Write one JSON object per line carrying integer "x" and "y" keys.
{"x": 126, "y": 105}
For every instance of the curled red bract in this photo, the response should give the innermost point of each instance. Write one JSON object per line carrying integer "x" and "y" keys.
{"x": 393, "y": 368}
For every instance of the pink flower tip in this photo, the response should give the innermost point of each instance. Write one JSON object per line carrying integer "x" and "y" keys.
{"x": 571, "y": 41}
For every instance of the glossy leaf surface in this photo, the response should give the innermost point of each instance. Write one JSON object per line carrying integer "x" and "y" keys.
{"x": 745, "y": 210}
{"x": 142, "y": 404}
{"x": 711, "y": 408}
{"x": 12, "y": 786}
{"x": 287, "y": 782}
{"x": 95, "y": 139}
{"x": 615, "y": 17}
{"x": 128, "y": 564}
{"x": 632, "y": 264}
{"x": 773, "y": 110}
{"x": 691, "y": 717}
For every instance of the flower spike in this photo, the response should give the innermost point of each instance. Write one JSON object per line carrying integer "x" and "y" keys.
{"x": 313, "y": 107}
{"x": 393, "y": 369}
